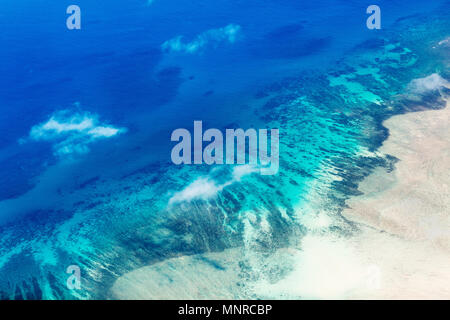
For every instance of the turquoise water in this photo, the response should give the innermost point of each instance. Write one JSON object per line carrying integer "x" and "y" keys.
{"x": 108, "y": 210}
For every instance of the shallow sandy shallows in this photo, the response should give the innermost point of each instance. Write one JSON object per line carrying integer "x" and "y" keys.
{"x": 401, "y": 251}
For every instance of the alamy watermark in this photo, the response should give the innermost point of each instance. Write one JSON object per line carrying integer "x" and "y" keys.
{"x": 374, "y": 20}
{"x": 74, "y": 280}
{"x": 240, "y": 146}
{"x": 74, "y": 20}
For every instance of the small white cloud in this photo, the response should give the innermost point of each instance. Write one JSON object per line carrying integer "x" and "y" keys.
{"x": 243, "y": 170}
{"x": 213, "y": 36}
{"x": 444, "y": 42}
{"x": 427, "y": 84}
{"x": 72, "y": 133}
{"x": 204, "y": 188}
{"x": 105, "y": 132}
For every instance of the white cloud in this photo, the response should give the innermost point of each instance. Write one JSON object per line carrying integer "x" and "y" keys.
{"x": 72, "y": 133}
{"x": 205, "y": 188}
{"x": 243, "y": 170}
{"x": 444, "y": 42}
{"x": 228, "y": 33}
{"x": 105, "y": 132}
{"x": 431, "y": 83}
{"x": 202, "y": 188}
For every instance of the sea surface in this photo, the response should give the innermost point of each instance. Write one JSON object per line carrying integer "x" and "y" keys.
{"x": 86, "y": 177}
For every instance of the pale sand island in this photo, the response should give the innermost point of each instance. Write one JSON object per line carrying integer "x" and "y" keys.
{"x": 402, "y": 250}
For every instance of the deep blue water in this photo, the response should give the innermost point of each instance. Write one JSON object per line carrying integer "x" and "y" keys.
{"x": 106, "y": 208}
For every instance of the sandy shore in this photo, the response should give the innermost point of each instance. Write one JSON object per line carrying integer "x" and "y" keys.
{"x": 407, "y": 211}
{"x": 402, "y": 250}
{"x": 414, "y": 200}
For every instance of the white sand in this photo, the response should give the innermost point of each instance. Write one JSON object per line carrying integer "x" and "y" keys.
{"x": 408, "y": 211}
{"x": 414, "y": 200}
{"x": 205, "y": 276}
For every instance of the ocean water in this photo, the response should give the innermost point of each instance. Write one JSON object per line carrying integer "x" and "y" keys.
{"x": 99, "y": 190}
